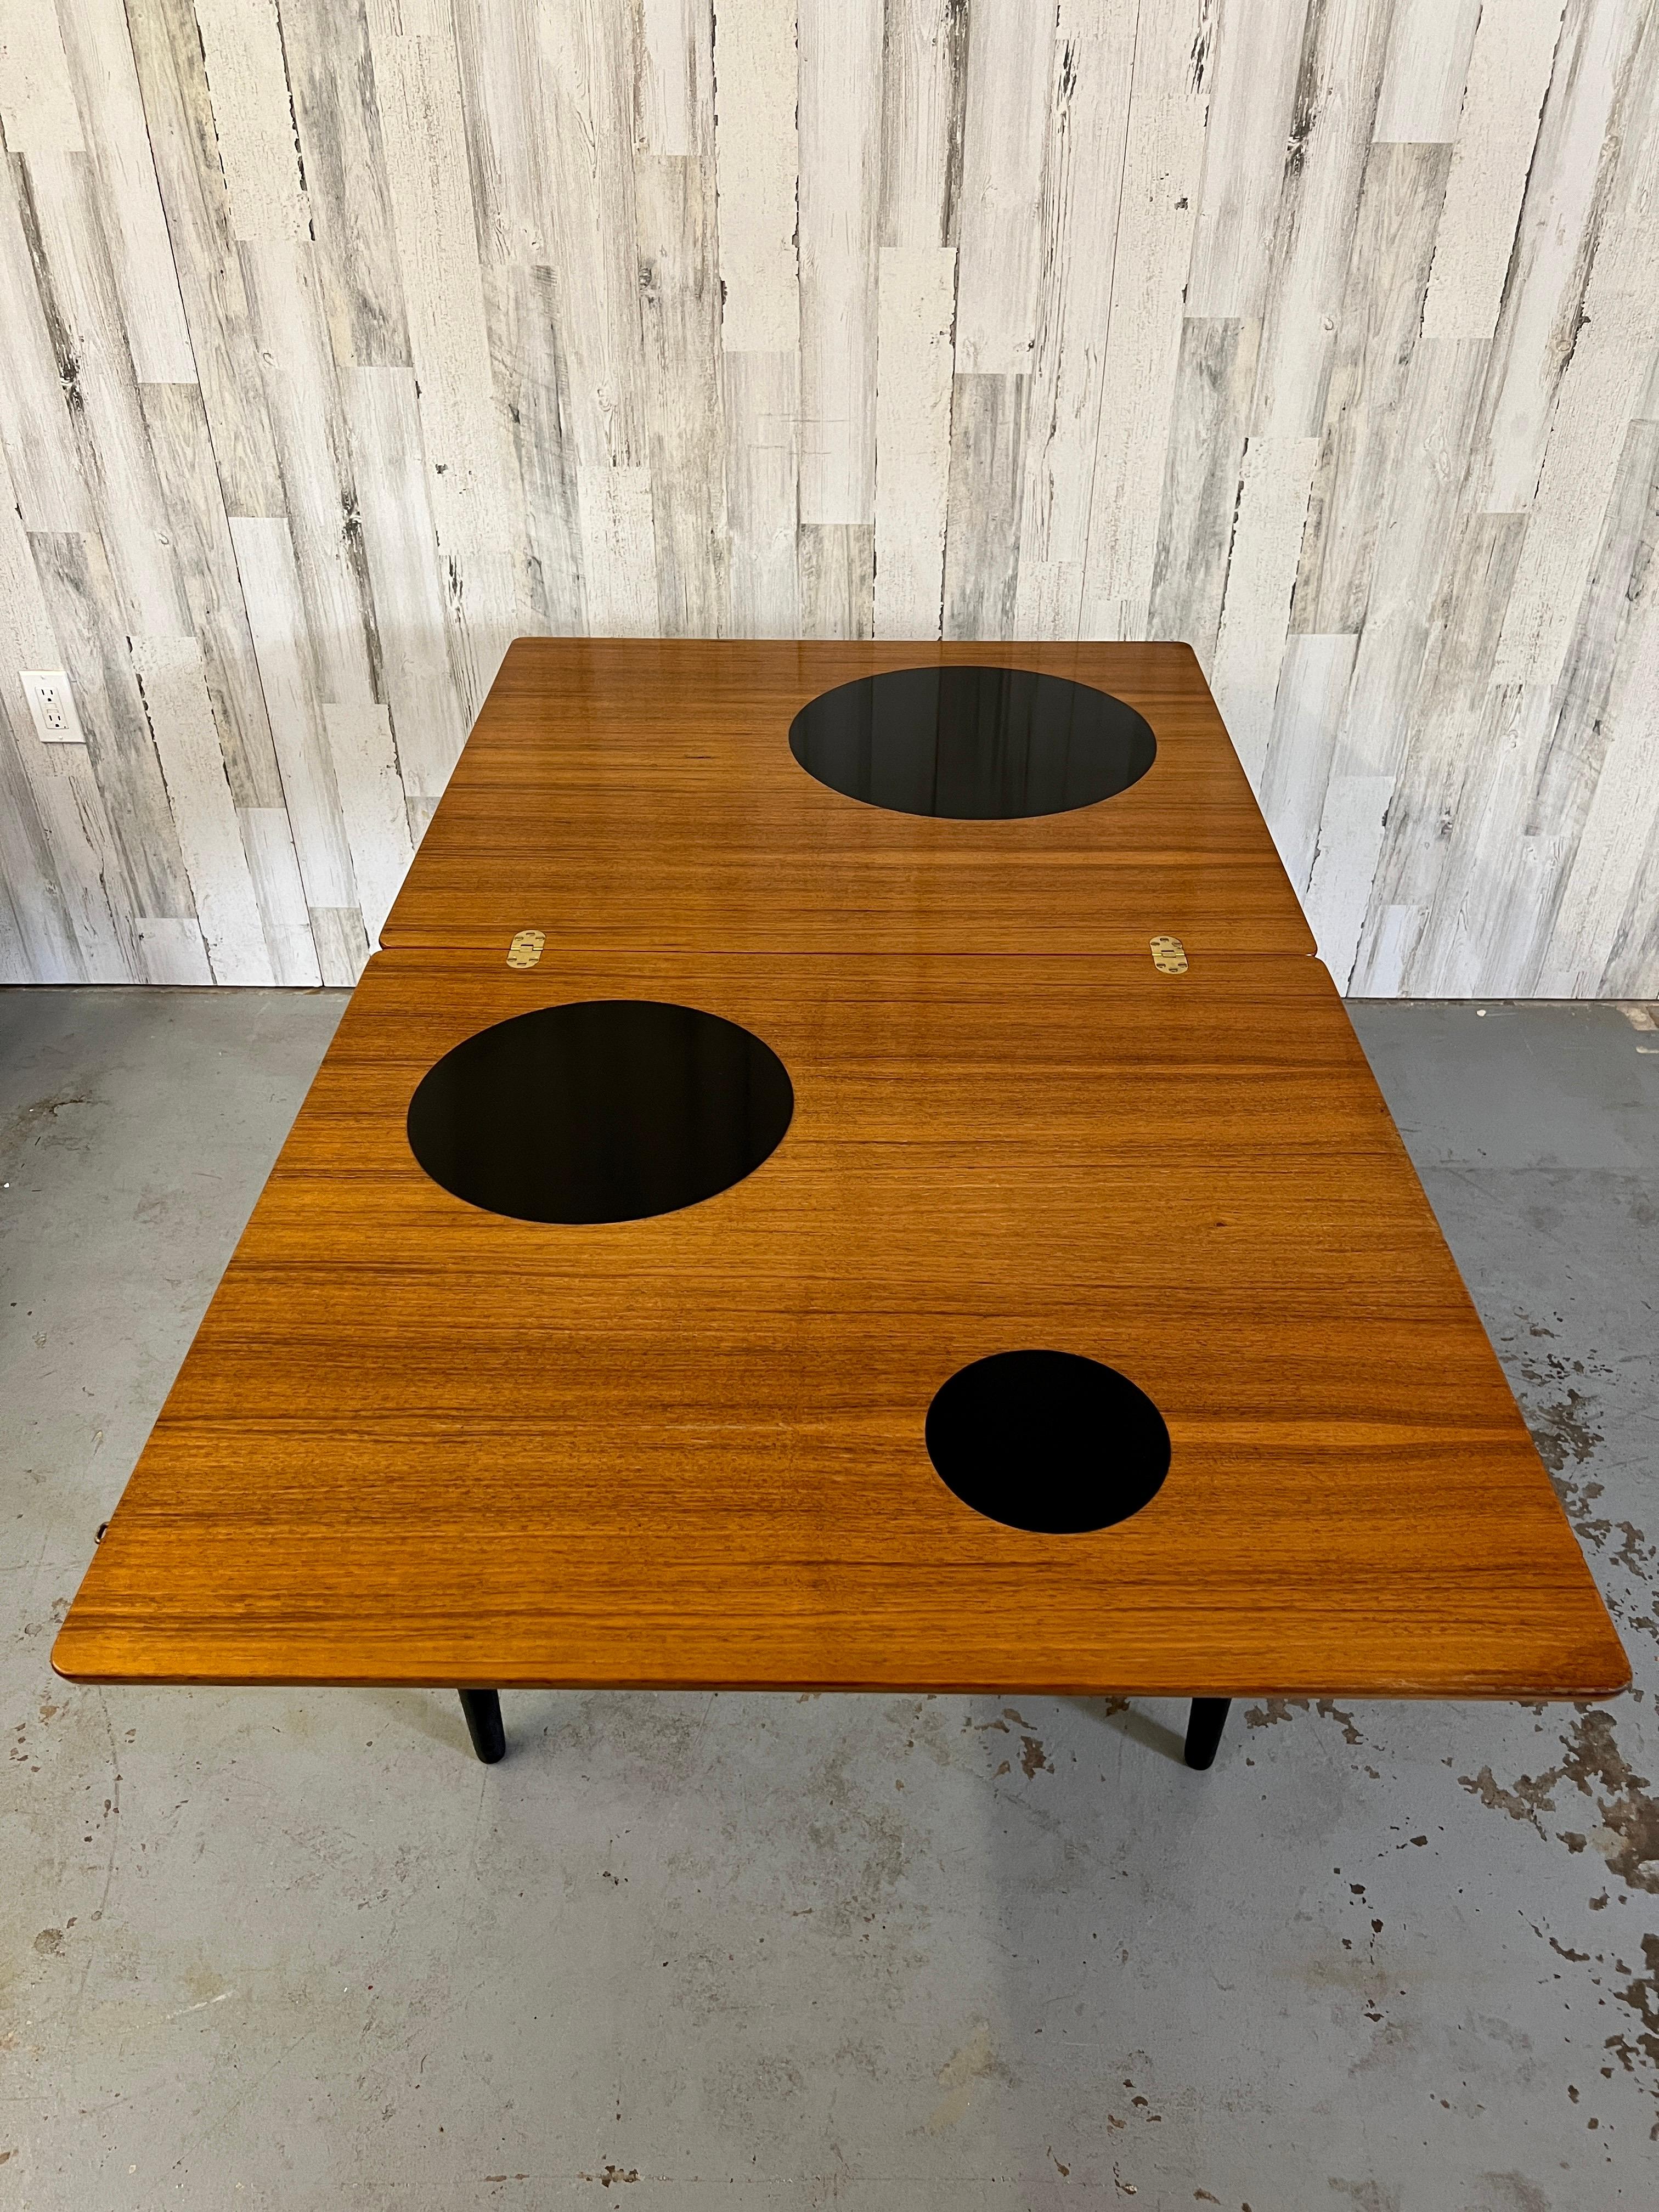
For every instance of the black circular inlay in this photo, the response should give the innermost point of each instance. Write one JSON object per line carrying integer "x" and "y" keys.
{"x": 609, "y": 1109}
{"x": 972, "y": 744}
{"x": 1047, "y": 1440}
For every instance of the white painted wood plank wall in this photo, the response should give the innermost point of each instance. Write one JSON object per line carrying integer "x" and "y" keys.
{"x": 342, "y": 340}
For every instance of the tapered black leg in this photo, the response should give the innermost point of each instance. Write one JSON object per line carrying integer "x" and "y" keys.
{"x": 483, "y": 1709}
{"x": 1204, "y": 1726}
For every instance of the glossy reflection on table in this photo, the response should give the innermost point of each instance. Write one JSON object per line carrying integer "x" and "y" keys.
{"x": 608, "y": 1109}
{"x": 972, "y": 744}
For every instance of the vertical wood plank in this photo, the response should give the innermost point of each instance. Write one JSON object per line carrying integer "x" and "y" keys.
{"x": 674, "y": 109}
{"x": 264, "y": 555}
{"x": 1509, "y": 72}
{"x": 170, "y": 949}
{"x": 1169, "y": 104}
{"x": 982, "y": 541}
{"x": 1331, "y": 119}
{"x": 1375, "y": 337}
{"x": 1253, "y": 74}
{"x": 532, "y": 377}
{"x": 757, "y": 156}
{"x": 680, "y": 308}
{"x": 67, "y": 234}
{"x": 619, "y": 552}
{"x": 1215, "y": 378}
{"x": 1428, "y": 62}
{"x": 1561, "y": 219}
{"x": 999, "y": 222}
{"x": 1455, "y": 719}
{"x": 267, "y": 840}
{"x": 181, "y": 445}
{"x": 839, "y": 125}
{"x": 174, "y": 685}
{"x": 1600, "y": 387}
{"x": 37, "y": 372}
{"x": 1312, "y": 682}
{"x": 400, "y": 549}
{"x": 756, "y": 152}
{"x": 52, "y": 859}
{"x": 98, "y": 895}
{"x": 1273, "y": 507}
{"x": 372, "y": 810}
{"x": 37, "y": 110}
{"x": 331, "y": 82}
{"x": 837, "y": 579}
{"x": 303, "y": 406}
{"x": 146, "y": 282}
{"x": 90, "y": 627}
{"x": 418, "y": 85}
{"x": 762, "y": 407}
{"x": 913, "y": 438}
{"x": 1082, "y": 176}
{"x": 253, "y": 118}
{"x": 167, "y": 48}
{"x": 39, "y": 941}
{"x": 588, "y": 70}
{"x": 1352, "y": 823}
{"x": 924, "y": 87}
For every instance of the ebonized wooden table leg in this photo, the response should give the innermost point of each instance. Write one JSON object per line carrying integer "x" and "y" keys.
{"x": 1204, "y": 1726}
{"x": 483, "y": 1709}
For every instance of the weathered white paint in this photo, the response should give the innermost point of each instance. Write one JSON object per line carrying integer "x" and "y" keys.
{"x": 253, "y": 118}
{"x": 180, "y": 714}
{"x": 1082, "y": 172}
{"x": 171, "y": 948}
{"x": 117, "y": 140}
{"x": 37, "y": 110}
{"x": 264, "y": 555}
{"x": 913, "y": 438}
{"x": 371, "y": 807}
{"x": 840, "y": 195}
{"x": 1313, "y": 683}
{"x": 619, "y": 553}
{"x": 757, "y": 158}
{"x": 1603, "y": 382}
{"x": 675, "y": 103}
{"x": 268, "y": 840}
{"x": 1253, "y": 72}
{"x": 1554, "y": 245}
{"x": 1428, "y": 63}
{"x": 1273, "y": 507}
{"x": 1163, "y": 164}
{"x": 1614, "y": 844}
{"x": 1339, "y": 884}
{"x": 922, "y": 90}
{"x": 340, "y": 341}
{"x": 1010, "y": 69}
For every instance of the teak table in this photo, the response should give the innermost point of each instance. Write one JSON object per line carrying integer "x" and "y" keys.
{"x": 419, "y": 1441}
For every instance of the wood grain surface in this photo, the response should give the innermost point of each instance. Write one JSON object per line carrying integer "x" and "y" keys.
{"x": 634, "y": 793}
{"x": 417, "y": 1443}
{"x": 350, "y": 338}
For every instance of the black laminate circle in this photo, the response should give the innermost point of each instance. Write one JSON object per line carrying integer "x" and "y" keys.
{"x": 609, "y": 1109}
{"x": 1047, "y": 1440}
{"x": 972, "y": 744}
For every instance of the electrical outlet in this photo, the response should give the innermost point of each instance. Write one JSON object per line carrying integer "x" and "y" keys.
{"x": 53, "y": 705}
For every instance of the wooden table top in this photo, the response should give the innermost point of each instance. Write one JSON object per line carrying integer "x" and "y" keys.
{"x": 416, "y": 1442}
{"x": 641, "y": 795}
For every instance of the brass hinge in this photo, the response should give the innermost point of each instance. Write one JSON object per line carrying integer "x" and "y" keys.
{"x": 1169, "y": 956}
{"x": 525, "y": 949}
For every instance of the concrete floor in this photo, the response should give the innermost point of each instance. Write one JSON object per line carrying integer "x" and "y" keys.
{"x": 300, "y": 1950}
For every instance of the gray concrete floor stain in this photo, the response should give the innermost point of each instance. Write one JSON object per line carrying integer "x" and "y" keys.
{"x": 297, "y": 1949}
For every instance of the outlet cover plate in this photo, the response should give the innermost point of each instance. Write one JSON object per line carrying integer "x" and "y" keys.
{"x": 53, "y": 705}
